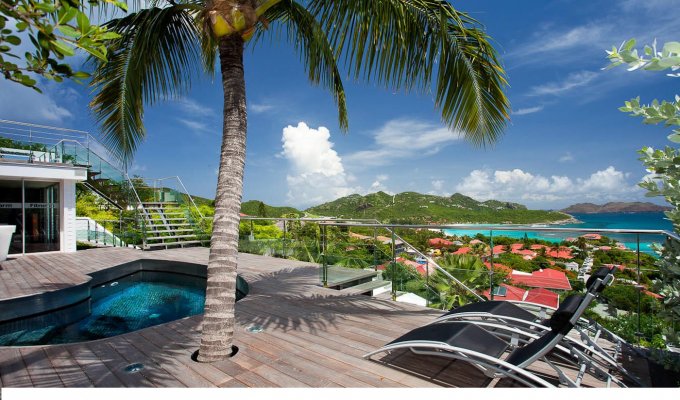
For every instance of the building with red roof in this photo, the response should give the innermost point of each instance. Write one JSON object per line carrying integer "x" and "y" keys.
{"x": 562, "y": 252}
{"x": 462, "y": 250}
{"x": 538, "y": 296}
{"x": 544, "y": 278}
{"x": 439, "y": 243}
{"x": 592, "y": 236}
{"x": 543, "y": 296}
{"x": 499, "y": 249}
{"x": 498, "y": 266}
{"x": 421, "y": 268}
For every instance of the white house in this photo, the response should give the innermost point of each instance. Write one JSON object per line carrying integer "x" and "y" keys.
{"x": 572, "y": 266}
{"x": 39, "y": 198}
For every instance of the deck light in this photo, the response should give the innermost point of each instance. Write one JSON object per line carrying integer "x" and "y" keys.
{"x": 132, "y": 368}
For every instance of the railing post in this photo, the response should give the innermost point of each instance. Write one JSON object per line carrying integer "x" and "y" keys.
{"x": 284, "y": 239}
{"x": 394, "y": 268}
{"x": 324, "y": 249}
{"x": 375, "y": 249}
{"x": 639, "y": 291}
{"x": 427, "y": 282}
{"x": 491, "y": 266}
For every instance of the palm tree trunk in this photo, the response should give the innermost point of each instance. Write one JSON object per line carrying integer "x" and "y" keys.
{"x": 218, "y": 320}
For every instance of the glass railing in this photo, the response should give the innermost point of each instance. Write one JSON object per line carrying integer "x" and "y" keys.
{"x": 123, "y": 232}
{"x": 175, "y": 198}
{"x": 452, "y": 265}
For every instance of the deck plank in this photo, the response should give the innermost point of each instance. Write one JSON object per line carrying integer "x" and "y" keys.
{"x": 312, "y": 337}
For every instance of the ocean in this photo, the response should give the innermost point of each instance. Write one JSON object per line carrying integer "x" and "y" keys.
{"x": 646, "y": 220}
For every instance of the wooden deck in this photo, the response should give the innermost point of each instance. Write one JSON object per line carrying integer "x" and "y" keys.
{"x": 311, "y": 336}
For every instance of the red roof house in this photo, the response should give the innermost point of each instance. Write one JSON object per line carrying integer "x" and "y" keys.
{"x": 538, "y": 296}
{"x": 462, "y": 250}
{"x": 563, "y": 252}
{"x": 543, "y": 296}
{"x": 439, "y": 243}
{"x": 421, "y": 268}
{"x": 499, "y": 249}
{"x": 497, "y": 266}
{"x": 544, "y": 278}
{"x": 592, "y": 236}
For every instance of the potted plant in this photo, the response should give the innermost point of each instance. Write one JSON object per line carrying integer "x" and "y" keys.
{"x": 6, "y": 232}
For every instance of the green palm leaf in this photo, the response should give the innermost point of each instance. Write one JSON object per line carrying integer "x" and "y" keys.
{"x": 303, "y": 31}
{"x": 423, "y": 45}
{"x": 152, "y": 60}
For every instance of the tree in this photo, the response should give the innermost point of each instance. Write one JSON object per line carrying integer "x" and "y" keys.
{"x": 470, "y": 271}
{"x": 416, "y": 45}
{"x": 664, "y": 165}
{"x": 261, "y": 210}
{"x": 55, "y": 28}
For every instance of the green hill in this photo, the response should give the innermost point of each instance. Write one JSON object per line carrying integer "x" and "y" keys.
{"x": 415, "y": 207}
{"x": 252, "y": 208}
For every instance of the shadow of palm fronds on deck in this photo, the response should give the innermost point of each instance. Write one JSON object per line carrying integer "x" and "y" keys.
{"x": 293, "y": 298}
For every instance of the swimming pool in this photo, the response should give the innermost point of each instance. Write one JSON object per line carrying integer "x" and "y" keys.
{"x": 124, "y": 304}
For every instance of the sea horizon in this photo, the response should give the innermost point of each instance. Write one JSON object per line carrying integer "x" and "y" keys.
{"x": 617, "y": 220}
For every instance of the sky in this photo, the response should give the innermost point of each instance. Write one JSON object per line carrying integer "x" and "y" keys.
{"x": 566, "y": 141}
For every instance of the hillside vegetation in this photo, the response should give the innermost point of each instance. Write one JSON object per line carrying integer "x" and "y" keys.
{"x": 415, "y": 207}
{"x": 252, "y": 208}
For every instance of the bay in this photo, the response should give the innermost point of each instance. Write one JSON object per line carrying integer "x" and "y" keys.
{"x": 643, "y": 220}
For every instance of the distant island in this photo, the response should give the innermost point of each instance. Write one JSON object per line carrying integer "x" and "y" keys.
{"x": 614, "y": 207}
{"x": 412, "y": 207}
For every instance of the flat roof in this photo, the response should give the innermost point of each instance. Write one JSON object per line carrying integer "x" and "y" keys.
{"x": 18, "y": 169}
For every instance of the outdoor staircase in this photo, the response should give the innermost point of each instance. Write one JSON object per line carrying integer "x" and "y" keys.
{"x": 167, "y": 225}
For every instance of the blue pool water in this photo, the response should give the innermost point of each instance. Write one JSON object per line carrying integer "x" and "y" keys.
{"x": 647, "y": 220}
{"x": 134, "y": 302}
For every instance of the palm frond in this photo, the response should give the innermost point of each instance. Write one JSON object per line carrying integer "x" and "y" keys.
{"x": 304, "y": 32}
{"x": 152, "y": 60}
{"x": 423, "y": 45}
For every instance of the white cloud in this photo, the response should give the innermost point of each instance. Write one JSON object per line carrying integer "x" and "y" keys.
{"x": 518, "y": 185}
{"x": 195, "y": 126}
{"x": 572, "y": 81}
{"x": 437, "y": 185}
{"x": 554, "y": 44}
{"x": 379, "y": 185}
{"x": 528, "y": 110}
{"x": 566, "y": 157}
{"x": 22, "y": 104}
{"x": 196, "y": 109}
{"x": 403, "y": 138}
{"x": 549, "y": 40}
{"x": 259, "y": 108}
{"x": 316, "y": 172}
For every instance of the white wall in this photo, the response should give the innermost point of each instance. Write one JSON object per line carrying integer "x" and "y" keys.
{"x": 68, "y": 215}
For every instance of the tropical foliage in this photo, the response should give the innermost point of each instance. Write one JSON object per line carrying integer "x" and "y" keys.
{"x": 411, "y": 207}
{"x": 55, "y": 29}
{"x": 664, "y": 165}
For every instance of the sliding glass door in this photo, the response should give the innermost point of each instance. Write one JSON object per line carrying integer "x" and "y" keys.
{"x": 11, "y": 212}
{"x": 35, "y": 210}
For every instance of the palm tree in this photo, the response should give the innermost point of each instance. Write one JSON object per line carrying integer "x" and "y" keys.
{"x": 415, "y": 45}
{"x": 469, "y": 270}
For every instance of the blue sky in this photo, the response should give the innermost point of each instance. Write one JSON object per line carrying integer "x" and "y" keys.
{"x": 566, "y": 142}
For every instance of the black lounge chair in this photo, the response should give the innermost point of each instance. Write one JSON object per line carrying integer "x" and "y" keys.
{"x": 515, "y": 315}
{"x": 469, "y": 342}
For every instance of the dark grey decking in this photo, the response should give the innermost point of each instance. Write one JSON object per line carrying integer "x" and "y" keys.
{"x": 312, "y": 337}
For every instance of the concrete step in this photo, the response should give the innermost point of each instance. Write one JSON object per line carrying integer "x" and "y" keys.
{"x": 169, "y": 230}
{"x": 171, "y": 237}
{"x": 150, "y": 246}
